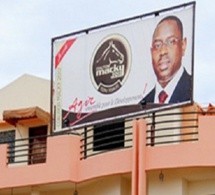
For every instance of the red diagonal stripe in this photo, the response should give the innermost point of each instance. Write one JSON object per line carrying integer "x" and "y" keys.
{"x": 63, "y": 51}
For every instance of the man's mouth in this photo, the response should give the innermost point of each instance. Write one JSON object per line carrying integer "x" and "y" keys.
{"x": 164, "y": 62}
{"x": 163, "y": 65}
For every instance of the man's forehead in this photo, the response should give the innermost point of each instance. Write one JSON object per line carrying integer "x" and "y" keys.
{"x": 167, "y": 27}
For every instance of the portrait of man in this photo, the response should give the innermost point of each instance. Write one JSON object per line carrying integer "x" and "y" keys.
{"x": 173, "y": 83}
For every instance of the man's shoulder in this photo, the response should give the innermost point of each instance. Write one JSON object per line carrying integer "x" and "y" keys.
{"x": 149, "y": 98}
{"x": 183, "y": 90}
{"x": 186, "y": 74}
{"x": 185, "y": 79}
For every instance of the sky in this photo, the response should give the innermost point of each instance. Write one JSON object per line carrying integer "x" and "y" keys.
{"x": 27, "y": 27}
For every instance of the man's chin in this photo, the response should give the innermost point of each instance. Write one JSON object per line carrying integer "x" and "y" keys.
{"x": 164, "y": 79}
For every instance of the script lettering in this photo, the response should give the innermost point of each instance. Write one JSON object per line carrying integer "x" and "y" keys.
{"x": 78, "y": 106}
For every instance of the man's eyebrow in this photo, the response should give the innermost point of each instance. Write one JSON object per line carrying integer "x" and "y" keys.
{"x": 159, "y": 39}
{"x": 156, "y": 39}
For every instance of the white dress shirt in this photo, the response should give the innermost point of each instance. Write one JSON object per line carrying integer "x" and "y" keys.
{"x": 169, "y": 87}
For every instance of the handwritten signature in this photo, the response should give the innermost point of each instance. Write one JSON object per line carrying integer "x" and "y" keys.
{"x": 78, "y": 106}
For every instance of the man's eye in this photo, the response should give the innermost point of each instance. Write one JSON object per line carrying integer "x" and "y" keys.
{"x": 171, "y": 42}
{"x": 157, "y": 45}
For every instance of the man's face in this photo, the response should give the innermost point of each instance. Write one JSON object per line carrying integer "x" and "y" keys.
{"x": 167, "y": 50}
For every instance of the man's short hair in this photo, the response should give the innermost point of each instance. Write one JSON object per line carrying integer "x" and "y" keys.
{"x": 176, "y": 19}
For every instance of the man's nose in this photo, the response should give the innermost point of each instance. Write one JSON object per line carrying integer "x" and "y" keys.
{"x": 164, "y": 49}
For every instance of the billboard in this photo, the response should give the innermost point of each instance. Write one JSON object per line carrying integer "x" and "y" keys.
{"x": 123, "y": 69}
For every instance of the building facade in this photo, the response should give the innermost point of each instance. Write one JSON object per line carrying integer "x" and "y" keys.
{"x": 168, "y": 152}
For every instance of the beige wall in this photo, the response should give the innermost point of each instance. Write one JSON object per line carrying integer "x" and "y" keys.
{"x": 125, "y": 186}
{"x": 172, "y": 184}
{"x": 104, "y": 186}
{"x": 26, "y": 91}
{"x": 111, "y": 185}
{"x": 205, "y": 187}
{"x": 189, "y": 181}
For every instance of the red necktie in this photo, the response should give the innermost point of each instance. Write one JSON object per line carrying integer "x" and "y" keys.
{"x": 162, "y": 97}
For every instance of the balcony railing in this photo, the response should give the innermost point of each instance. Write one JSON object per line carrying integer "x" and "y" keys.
{"x": 172, "y": 127}
{"x": 167, "y": 127}
{"x": 27, "y": 151}
{"x": 106, "y": 137}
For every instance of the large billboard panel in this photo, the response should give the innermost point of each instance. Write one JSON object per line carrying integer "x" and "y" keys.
{"x": 124, "y": 69}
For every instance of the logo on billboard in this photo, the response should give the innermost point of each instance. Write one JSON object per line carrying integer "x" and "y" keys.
{"x": 110, "y": 64}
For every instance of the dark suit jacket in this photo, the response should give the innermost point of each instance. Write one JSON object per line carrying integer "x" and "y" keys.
{"x": 181, "y": 93}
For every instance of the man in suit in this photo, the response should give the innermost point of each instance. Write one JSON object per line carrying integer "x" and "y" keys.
{"x": 168, "y": 47}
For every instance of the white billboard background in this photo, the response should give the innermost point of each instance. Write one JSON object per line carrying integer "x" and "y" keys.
{"x": 73, "y": 73}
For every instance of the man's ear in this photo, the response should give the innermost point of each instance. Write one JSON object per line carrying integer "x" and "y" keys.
{"x": 151, "y": 50}
{"x": 184, "y": 45}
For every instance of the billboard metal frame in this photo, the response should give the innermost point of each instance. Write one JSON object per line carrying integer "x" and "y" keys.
{"x": 146, "y": 109}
